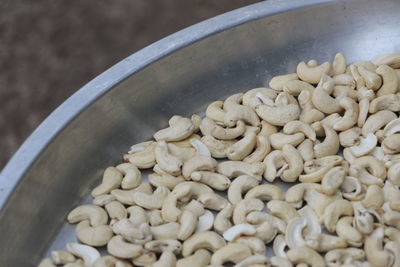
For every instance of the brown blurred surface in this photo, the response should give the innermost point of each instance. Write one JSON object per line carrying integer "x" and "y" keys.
{"x": 49, "y": 49}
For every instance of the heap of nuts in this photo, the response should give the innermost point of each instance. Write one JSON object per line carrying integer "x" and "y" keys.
{"x": 331, "y": 132}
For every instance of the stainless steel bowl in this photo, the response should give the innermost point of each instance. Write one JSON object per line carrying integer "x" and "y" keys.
{"x": 64, "y": 158}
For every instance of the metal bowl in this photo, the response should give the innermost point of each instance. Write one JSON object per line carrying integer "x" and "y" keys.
{"x": 65, "y": 156}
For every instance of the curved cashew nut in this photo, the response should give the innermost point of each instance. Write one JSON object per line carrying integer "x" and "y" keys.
{"x": 258, "y": 96}
{"x": 254, "y": 260}
{"x": 318, "y": 201}
{"x": 309, "y": 113}
{"x": 374, "y": 249}
{"x": 167, "y": 259}
{"x": 212, "y": 179}
{"x": 213, "y": 201}
{"x": 222, "y": 220}
{"x": 375, "y": 166}
{"x": 393, "y": 174}
{"x": 295, "y": 87}
{"x": 392, "y": 127}
{"x": 239, "y": 186}
{"x": 122, "y": 249}
{"x": 299, "y": 126}
{"x": 377, "y": 121}
{"x": 332, "y": 180}
{"x": 386, "y": 102}
{"x": 313, "y": 74}
{"x": 316, "y": 169}
{"x": 182, "y": 153}
{"x": 165, "y": 160}
{"x": 390, "y": 81}
{"x": 116, "y": 210}
{"x": 111, "y": 180}
{"x": 244, "y": 207}
{"x": 215, "y": 111}
{"x": 232, "y": 252}
{"x": 217, "y": 147}
{"x": 228, "y": 133}
{"x": 243, "y": 147}
{"x": 179, "y": 129}
{"x": 233, "y": 169}
{"x": 61, "y": 257}
{"x": 339, "y": 64}
{"x": 305, "y": 255}
{"x": 200, "y": 258}
{"x": 345, "y": 230}
{"x": 263, "y": 147}
{"x": 155, "y": 218}
{"x": 159, "y": 246}
{"x": 95, "y": 214}
{"x": 372, "y": 80}
{"x": 165, "y": 231}
{"x": 235, "y": 112}
{"x": 265, "y": 192}
{"x": 366, "y": 145}
{"x": 324, "y": 242}
{"x": 154, "y": 201}
{"x": 350, "y": 116}
{"x": 206, "y": 239}
{"x": 340, "y": 256}
{"x": 306, "y": 149}
{"x": 278, "y": 82}
{"x": 142, "y": 155}
{"x": 278, "y": 140}
{"x": 87, "y": 253}
{"x": 294, "y": 161}
{"x": 198, "y": 163}
{"x": 256, "y": 245}
{"x": 334, "y": 211}
{"x": 145, "y": 259}
{"x": 374, "y": 196}
{"x": 167, "y": 180}
{"x": 278, "y": 115}
{"x": 324, "y": 102}
{"x": 188, "y": 221}
{"x": 273, "y": 161}
{"x": 103, "y": 200}
{"x": 282, "y": 210}
{"x": 237, "y": 230}
{"x": 391, "y": 144}
{"x": 295, "y": 194}
{"x": 132, "y": 176}
{"x": 294, "y": 232}
{"x": 330, "y": 145}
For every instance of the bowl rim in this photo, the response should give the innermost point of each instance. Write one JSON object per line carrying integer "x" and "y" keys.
{"x": 19, "y": 164}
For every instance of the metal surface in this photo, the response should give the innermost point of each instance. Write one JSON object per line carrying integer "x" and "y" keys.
{"x": 64, "y": 158}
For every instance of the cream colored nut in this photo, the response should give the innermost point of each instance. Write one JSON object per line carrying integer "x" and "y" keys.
{"x": 196, "y": 120}
{"x": 394, "y": 174}
{"x": 391, "y": 144}
{"x": 309, "y": 113}
{"x": 373, "y": 197}
{"x": 316, "y": 169}
{"x": 244, "y": 207}
{"x": 217, "y": 147}
{"x": 318, "y": 201}
{"x": 142, "y": 159}
{"x": 394, "y": 249}
{"x": 357, "y": 76}
{"x": 263, "y": 147}
{"x": 340, "y": 91}
{"x": 228, "y": 133}
{"x": 206, "y": 239}
{"x": 363, "y": 175}
{"x": 374, "y": 251}
{"x": 322, "y": 100}
{"x": 346, "y": 230}
{"x": 299, "y": 126}
{"x": 265, "y": 192}
{"x": 392, "y": 127}
{"x": 391, "y": 192}
{"x": 329, "y": 120}
{"x": 126, "y": 196}
{"x": 167, "y": 180}
{"x": 207, "y": 125}
{"x": 153, "y": 201}
{"x": 363, "y": 219}
{"x": 275, "y": 164}
{"x": 294, "y": 232}
{"x": 235, "y": 112}
{"x": 258, "y": 96}
{"x": 239, "y": 186}
{"x": 386, "y": 102}
{"x": 339, "y": 64}
{"x": 344, "y": 79}
{"x": 159, "y": 246}
{"x": 179, "y": 129}
{"x": 137, "y": 234}
{"x": 47, "y": 262}
{"x": 256, "y": 245}
{"x": 116, "y": 210}
{"x": 254, "y": 260}
{"x": 366, "y": 145}
{"x": 295, "y": 194}
{"x": 267, "y": 129}
{"x": 165, "y": 160}
{"x": 205, "y": 221}
{"x": 390, "y": 81}
{"x": 334, "y": 211}
{"x": 372, "y": 80}
{"x": 377, "y": 121}
{"x": 278, "y": 82}
{"x": 392, "y": 234}
{"x": 280, "y": 262}
{"x": 132, "y": 176}
{"x": 325, "y": 242}
{"x": 212, "y": 179}
{"x": 278, "y": 140}
{"x": 198, "y": 163}
{"x": 232, "y": 252}
{"x": 392, "y": 218}
{"x": 392, "y": 60}
{"x": 167, "y": 259}
{"x": 282, "y": 210}
{"x": 279, "y": 246}
{"x": 137, "y": 215}
{"x": 295, "y": 87}
{"x": 350, "y": 116}
{"x": 313, "y": 226}
{"x": 213, "y": 201}
{"x": 155, "y": 218}
{"x": 95, "y": 214}
{"x": 222, "y": 220}
{"x": 102, "y": 200}
{"x": 313, "y": 74}
{"x": 182, "y": 153}
{"x": 259, "y": 217}
{"x": 165, "y": 231}
{"x": 95, "y": 236}
{"x": 375, "y": 166}
{"x": 111, "y": 180}
{"x": 278, "y": 115}
{"x": 237, "y": 230}
{"x": 306, "y": 150}
{"x": 145, "y": 259}
{"x": 244, "y": 146}
{"x": 338, "y": 257}
{"x": 110, "y": 261}
{"x": 88, "y": 254}
{"x": 200, "y": 258}
{"x": 62, "y": 257}
{"x": 188, "y": 224}
{"x": 330, "y": 145}
{"x": 305, "y": 255}
{"x": 332, "y": 180}
{"x": 233, "y": 169}
{"x": 294, "y": 161}
{"x": 215, "y": 111}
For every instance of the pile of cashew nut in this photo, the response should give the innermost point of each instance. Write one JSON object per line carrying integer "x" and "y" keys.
{"x": 330, "y": 132}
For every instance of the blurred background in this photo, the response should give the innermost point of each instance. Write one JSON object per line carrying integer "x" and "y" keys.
{"x": 49, "y": 49}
